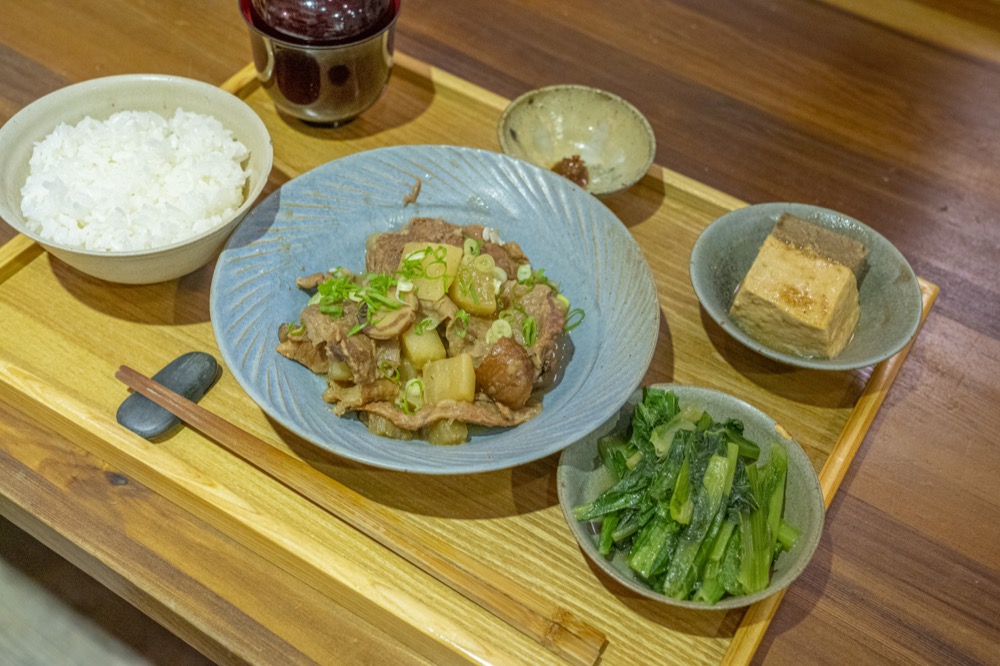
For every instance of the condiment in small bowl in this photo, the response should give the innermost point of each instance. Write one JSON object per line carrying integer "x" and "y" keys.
{"x": 596, "y": 138}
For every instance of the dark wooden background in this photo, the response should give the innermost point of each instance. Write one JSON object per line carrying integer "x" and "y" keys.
{"x": 887, "y": 110}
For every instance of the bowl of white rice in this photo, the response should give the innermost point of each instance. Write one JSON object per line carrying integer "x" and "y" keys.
{"x": 137, "y": 178}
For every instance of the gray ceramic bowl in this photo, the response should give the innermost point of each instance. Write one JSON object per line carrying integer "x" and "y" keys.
{"x": 99, "y": 99}
{"x": 581, "y": 477}
{"x": 889, "y": 295}
{"x": 322, "y": 219}
{"x": 611, "y": 136}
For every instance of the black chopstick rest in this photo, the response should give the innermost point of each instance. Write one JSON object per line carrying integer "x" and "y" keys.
{"x": 191, "y": 375}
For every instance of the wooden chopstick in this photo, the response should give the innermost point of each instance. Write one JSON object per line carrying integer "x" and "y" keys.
{"x": 553, "y": 627}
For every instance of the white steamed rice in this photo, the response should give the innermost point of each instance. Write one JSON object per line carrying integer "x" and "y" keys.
{"x": 135, "y": 181}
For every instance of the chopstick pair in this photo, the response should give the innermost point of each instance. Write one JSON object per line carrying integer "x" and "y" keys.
{"x": 553, "y": 627}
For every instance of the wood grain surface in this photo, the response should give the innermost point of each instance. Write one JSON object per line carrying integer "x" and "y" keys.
{"x": 883, "y": 110}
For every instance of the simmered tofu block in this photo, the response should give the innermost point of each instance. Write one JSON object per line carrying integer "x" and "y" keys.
{"x": 797, "y": 301}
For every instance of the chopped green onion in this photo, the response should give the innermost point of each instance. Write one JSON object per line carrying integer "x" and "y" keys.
{"x": 484, "y": 263}
{"x": 380, "y": 282}
{"x": 500, "y": 328}
{"x": 416, "y": 256}
{"x": 440, "y": 268}
{"x": 375, "y": 300}
{"x": 331, "y": 310}
{"x": 295, "y": 328}
{"x": 389, "y": 370}
{"x": 374, "y": 294}
{"x": 412, "y": 398}
{"x": 461, "y": 323}
{"x": 499, "y": 278}
{"x": 530, "y": 278}
{"x": 472, "y": 247}
{"x": 466, "y": 287}
{"x": 425, "y": 325}
{"x": 529, "y": 329}
{"x": 573, "y": 319}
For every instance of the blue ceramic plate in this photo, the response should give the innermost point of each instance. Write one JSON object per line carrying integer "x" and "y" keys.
{"x": 321, "y": 220}
{"x": 889, "y": 295}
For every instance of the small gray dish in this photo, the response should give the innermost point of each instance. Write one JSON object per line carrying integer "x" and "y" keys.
{"x": 889, "y": 294}
{"x": 581, "y": 477}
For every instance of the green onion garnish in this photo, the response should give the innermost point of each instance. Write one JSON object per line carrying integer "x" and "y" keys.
{"x": 472, "y": 247}
{"x": 573, "y": 319}
{"x": 461, "y": 323}
{"x": 424, "y": 325}
{"x": 389, "y": 370}
{"x": 412, "y": 398}
{"x": 529, "y": 329}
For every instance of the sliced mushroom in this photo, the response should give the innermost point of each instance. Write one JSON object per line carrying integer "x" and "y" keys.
{"x": 310, "y": 282}
{"x": 393, "y": 323}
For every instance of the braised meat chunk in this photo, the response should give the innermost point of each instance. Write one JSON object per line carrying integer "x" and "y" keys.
{"x": 385, "y": 251}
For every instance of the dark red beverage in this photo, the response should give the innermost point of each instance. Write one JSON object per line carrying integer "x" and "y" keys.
{"x": 322, "y": 21}
{"x": 311, "y": 75}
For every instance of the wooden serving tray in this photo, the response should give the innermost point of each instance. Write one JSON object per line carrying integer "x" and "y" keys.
{"x": 64, "y": 335}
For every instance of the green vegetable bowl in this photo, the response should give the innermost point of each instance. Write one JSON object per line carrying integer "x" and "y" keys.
{"x": 703, "y": 493}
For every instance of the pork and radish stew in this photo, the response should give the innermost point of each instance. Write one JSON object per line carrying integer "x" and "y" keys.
{"x": 448, "y": 327}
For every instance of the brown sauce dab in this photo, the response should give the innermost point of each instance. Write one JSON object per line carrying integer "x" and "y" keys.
{"x": 574, "y": 169}
{"x": 411, "y": 198}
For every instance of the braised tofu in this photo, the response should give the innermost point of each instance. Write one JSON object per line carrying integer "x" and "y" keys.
{"x": 797, "y": 301}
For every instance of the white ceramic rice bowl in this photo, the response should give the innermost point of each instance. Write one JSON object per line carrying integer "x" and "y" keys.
{"x": 99, "y": 99}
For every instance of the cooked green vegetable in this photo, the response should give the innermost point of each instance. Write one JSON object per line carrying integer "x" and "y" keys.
{"x": 694, "y": 513}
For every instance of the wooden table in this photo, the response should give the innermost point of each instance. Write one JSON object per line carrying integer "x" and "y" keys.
{"x": 885, "y": 111}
